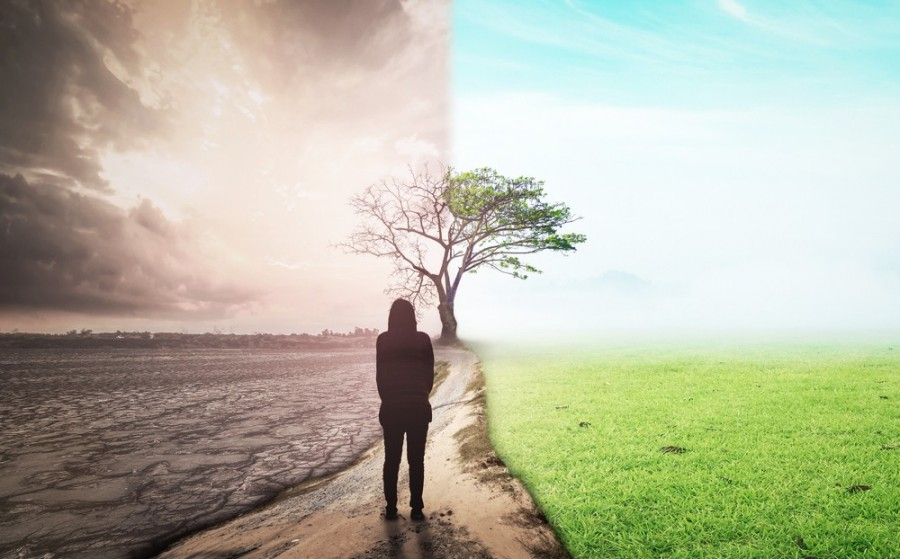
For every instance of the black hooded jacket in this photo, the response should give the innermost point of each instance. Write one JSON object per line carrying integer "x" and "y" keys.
{"x": 404, "y": 373}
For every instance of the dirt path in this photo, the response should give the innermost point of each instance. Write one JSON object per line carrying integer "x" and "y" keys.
{"x": 474, "y": 508}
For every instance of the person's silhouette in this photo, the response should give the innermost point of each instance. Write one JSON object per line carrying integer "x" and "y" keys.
{"x": 404, "y": 373}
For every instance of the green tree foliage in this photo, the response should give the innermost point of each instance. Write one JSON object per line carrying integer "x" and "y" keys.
{"x": 436, "y": 228}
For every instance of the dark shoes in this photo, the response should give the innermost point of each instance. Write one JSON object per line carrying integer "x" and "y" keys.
{"x": 390, "y": 513}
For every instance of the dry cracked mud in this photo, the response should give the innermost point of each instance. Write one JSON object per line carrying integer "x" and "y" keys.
{"x": 115, "y": 453}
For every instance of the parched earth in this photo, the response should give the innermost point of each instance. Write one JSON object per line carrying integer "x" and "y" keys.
{"x": 116, "y": 453}
{"x": 474, "y": 509}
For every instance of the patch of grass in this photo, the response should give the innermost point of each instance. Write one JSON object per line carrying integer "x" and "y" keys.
{"x": 479, "y": 457}
{"x": 475, "y": 449}
{"x": 774, "y": 445}
{"x": 441, "y": 371}
{"x": 476, "y": 383}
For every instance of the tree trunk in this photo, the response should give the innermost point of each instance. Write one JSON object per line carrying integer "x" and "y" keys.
{"x": 448, "y": 322}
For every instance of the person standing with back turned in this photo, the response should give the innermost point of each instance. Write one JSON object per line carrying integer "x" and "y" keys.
{"x": 404, "y": 373}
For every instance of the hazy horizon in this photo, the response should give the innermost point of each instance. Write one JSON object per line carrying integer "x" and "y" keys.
{"x": 186, "y": 167}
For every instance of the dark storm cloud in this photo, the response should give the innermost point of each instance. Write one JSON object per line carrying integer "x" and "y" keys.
{"x": 180, "y": 103}
{"x": 349, "y": 59}
{"x": 59, "y": 101}
{"x": 324, "y": 34}
{"x": 61, "y": 250}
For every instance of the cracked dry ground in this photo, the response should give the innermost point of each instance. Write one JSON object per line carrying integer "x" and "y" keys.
{"x": 473, "y": 513}
{"x": 114, "y": 453}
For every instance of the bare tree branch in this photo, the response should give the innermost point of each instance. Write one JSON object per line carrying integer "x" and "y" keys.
{"x": 435, "y": 228}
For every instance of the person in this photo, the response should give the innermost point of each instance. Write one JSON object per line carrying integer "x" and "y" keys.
{"x": 404, "y": 373}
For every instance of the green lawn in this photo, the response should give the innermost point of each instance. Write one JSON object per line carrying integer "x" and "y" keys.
{"x": 775, "y": 437}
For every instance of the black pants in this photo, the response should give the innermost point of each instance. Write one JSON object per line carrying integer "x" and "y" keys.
{"x": 416, "y": 432}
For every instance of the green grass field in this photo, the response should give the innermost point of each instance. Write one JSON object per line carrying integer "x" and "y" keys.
{"x": 777, "y": 439}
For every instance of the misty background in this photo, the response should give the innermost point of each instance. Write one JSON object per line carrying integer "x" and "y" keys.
{"x": 734, "y": 162}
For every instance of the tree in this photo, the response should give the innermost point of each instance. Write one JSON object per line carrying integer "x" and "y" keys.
{"x": 435, "y": 229}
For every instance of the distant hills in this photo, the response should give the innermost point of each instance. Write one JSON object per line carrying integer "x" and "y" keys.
{"x": 360, "y": 337}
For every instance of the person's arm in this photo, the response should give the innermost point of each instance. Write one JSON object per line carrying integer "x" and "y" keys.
{"x": 379, "y": 367}
{"x": 429, "y": 360}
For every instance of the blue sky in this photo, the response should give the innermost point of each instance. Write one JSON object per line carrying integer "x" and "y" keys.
{"x": 706, "y": 54}
{"x": 734, "y": 162}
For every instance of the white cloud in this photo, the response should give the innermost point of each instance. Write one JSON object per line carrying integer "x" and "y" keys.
{"x": 734, "y": 9}
{"x": 416, "y": 148}
{"x": 369, "y": 144}
{"x": 293, "y": 266}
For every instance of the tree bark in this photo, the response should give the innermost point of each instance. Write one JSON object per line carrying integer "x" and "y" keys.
{"x": 448, "y": 322}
